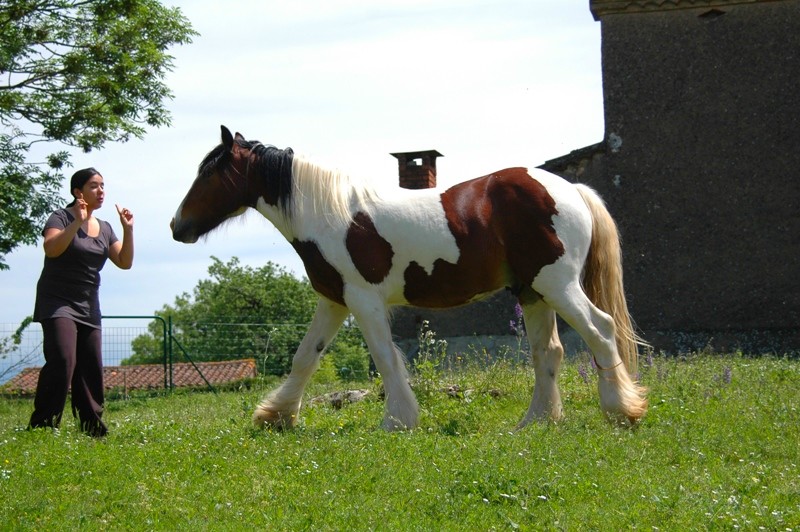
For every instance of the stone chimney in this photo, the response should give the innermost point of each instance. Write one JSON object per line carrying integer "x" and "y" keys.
{"x": 417, "y": 168}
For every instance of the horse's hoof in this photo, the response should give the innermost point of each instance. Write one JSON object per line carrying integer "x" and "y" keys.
{"x": 266, "y": 418}
{"x": 392, "y": 424}
{"x": 619, "y": 419}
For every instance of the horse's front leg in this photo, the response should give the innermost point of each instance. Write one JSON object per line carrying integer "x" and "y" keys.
{"x": 401, "y": 411}
{"x": 281, "y": 408}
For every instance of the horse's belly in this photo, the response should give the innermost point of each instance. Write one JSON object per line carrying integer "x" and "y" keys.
{"x": 446, "y": 284}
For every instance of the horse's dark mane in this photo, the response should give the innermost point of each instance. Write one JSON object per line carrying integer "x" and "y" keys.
{"x": 274, "y": 166}
{"x": 271, "y": 164}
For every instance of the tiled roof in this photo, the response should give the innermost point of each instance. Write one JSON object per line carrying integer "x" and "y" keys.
{"x": 149, "y": 377}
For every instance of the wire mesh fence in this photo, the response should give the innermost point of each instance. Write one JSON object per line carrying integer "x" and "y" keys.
{"x": 132, "y": 340}
{"x": 21, "y": 345}
{"x": 271, "y": 345}
{"x": 148, "y": 340}
{"x": 19, "y": 349}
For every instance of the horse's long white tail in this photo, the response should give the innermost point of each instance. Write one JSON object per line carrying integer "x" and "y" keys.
{"x": 602, "y": 277}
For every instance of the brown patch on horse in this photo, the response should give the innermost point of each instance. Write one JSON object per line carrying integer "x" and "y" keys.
{"x": 324, "y": 278}
{"x": 371, "y": 253}
{"x": 503, "y": 227}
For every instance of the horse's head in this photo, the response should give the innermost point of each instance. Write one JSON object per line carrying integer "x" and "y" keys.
{"x": 219, "y": 192}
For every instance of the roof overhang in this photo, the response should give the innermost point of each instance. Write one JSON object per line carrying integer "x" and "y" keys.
{"x": 601, "y": 8}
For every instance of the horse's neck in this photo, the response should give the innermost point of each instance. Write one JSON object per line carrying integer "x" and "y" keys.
{"x": 276, "y": 217}
{"x": 323, "y": 194}
{"x": 309, "y": 208}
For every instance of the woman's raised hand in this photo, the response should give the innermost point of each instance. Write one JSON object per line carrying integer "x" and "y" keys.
{"x": 125, "y": 216}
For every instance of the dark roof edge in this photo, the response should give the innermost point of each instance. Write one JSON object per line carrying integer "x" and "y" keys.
{"x": 561, "y": 163}
{"x": 601, "y": 8}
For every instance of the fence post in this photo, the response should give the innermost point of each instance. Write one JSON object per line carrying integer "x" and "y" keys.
{"x": 164, "y": 341}
{"x": 171, "y": 338}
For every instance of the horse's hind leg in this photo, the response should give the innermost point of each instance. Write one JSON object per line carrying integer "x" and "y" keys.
{"x": 401, "y": 411}
{"x": 620, "y": 398}
{"x": 547, "y": 353}
{"x": 281, "y": 408}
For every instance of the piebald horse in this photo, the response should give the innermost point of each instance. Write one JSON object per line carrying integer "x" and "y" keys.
{"x": 551, "y": 242}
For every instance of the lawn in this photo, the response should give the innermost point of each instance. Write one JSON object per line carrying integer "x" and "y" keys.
{"x": 719, "y": 449}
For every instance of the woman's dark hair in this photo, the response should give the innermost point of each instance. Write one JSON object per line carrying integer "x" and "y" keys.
{"x": 79, "y": 179}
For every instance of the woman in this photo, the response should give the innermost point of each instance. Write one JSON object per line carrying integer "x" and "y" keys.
{"x": 76, "y": 246}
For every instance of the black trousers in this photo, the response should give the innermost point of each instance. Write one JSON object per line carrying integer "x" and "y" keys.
{"x": 73, "y": 357}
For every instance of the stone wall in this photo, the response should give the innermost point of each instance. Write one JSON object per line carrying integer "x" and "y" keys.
{"x": 492, "y": 316}
{"x": 701, "y": 168}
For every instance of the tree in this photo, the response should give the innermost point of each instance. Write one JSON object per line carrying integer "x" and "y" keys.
{"x": 74, "y": 73}
{"x": 11, "y": 343}
{"x": 245, "y": 312}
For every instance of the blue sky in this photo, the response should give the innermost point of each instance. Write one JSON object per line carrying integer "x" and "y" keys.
{"x": 489, "y": 84}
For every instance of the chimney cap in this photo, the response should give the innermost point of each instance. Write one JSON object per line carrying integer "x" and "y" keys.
{"x": 416, "y": 154}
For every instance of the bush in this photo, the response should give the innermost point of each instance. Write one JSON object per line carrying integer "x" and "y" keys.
{"x": 351, "y": 361}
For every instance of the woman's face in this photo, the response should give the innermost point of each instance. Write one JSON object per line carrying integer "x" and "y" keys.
{"x": 93, "y": 192}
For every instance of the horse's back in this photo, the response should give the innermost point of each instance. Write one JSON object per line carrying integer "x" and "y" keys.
{"x": 454, "y": 246}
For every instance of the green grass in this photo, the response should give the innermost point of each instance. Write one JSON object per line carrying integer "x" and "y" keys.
{"x": 719, "y": 449}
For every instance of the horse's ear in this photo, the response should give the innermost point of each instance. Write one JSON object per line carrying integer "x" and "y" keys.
{"x": 239, "y": 136}
{"x": 227, "y": 138}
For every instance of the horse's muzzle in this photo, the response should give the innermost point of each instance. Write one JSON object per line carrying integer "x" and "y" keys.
{"x": 182, "y": 232}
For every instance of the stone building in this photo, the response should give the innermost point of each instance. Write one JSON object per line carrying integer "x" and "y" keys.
{"x": 700, "y": 168}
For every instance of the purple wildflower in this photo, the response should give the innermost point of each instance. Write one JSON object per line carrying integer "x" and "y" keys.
{"x": 518, "y": 325}
{"x": 583, "y": 373}
{"x": 726, "y": 375}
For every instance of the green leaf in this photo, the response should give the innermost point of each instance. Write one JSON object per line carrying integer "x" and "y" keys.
{"x": 80, "y": 74}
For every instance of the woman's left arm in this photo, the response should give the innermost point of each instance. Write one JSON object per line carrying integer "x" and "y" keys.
{"x": 121, "y": 252}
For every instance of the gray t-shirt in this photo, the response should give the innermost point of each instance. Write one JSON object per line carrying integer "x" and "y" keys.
{"x": 69, "y": 284}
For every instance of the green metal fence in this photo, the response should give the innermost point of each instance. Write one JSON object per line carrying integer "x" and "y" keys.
{"x": 21, "y": 344}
